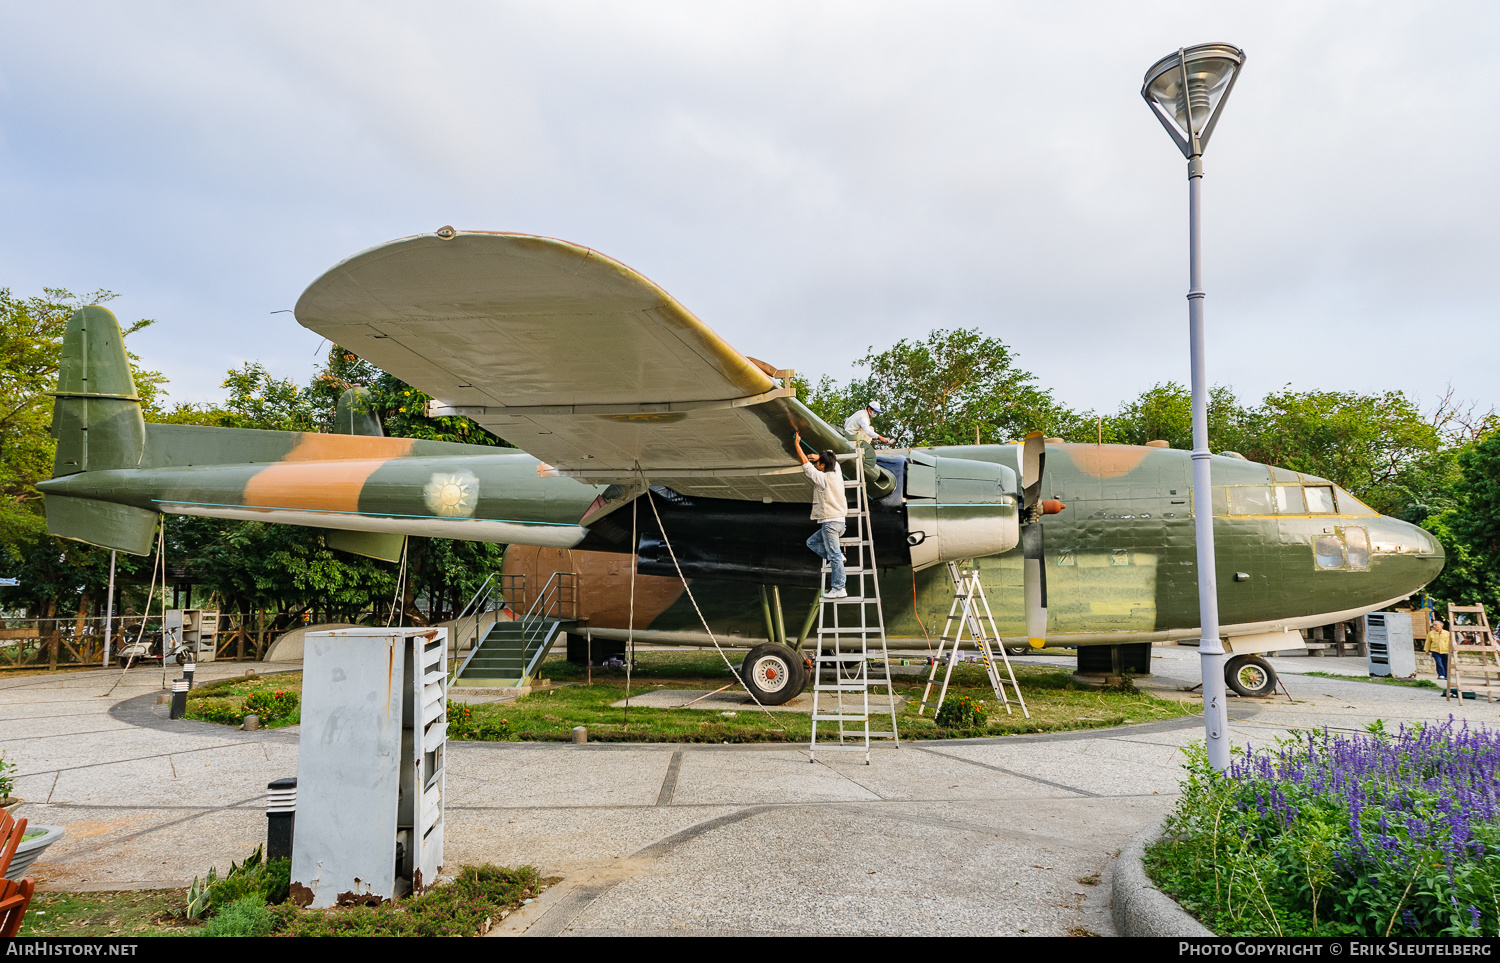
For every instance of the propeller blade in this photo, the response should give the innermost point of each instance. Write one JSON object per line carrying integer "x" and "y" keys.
{"x": 1034, "y": 586}
{"x": 1033, "y": 464}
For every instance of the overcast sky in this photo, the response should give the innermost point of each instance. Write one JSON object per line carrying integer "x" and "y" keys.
{"x": 810, "y": 179}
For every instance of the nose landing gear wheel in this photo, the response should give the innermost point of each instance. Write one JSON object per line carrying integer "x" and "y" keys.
{"x": 1250, "y": 675}
{"x": 774, "y": 674}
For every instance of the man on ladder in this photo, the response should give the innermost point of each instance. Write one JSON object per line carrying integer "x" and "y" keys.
{"x": 857, "y": 426}
{"x": 847, "y": 624}
{"x": 830, "y": 509}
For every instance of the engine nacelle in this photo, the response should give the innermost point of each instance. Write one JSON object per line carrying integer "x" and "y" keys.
{"x": 957, "y": 509}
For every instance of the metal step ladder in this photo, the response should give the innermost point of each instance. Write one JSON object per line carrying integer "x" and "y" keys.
{"x": 847, "y": 629}
{"x": 971, "y": 611}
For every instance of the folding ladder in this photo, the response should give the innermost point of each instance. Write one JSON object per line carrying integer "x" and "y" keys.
{"x": 847, "y": 627}
{"x": 965, "y": 613}
{"x": 1472, "y": 652}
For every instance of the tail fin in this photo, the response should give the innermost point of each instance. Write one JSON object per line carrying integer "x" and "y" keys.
{"x": 97, "y": 416}
{"x": 97, "y": 422}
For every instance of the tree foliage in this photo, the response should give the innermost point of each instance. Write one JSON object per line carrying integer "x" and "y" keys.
{"x": 940, "y": 390}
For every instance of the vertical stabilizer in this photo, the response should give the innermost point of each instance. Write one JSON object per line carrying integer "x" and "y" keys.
{"x": 97, "y": 416}
{"x": 96, "y": 419}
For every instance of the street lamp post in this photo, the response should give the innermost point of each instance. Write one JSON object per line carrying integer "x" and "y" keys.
{"x": 1186, "y": 90}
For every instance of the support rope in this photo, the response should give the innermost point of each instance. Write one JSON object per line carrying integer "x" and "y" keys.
{"x": 160, "y": 563}
{"x": 400, "y": 588}
{"x": 689, "y": 589}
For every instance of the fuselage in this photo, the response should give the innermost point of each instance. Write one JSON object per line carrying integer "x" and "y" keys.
{"x": 1293, "y": 550}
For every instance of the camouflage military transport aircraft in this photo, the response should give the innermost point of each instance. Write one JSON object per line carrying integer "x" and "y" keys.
{"x": 612, "y": 389}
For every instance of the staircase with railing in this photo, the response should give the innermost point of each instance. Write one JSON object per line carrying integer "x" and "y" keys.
{"x": 509, "y": 652}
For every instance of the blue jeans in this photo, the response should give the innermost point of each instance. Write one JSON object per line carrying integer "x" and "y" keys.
{"x": 1440, "y": 662}
{"x": 825, "y": 544}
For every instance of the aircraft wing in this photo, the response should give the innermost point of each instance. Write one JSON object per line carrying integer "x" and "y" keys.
{"x": 573, "y": 357}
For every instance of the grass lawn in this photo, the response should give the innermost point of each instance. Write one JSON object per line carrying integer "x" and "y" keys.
{"x": 468, "y": 905}
{"x": 1055, "y": 701}
{"x": 148, "y": 912}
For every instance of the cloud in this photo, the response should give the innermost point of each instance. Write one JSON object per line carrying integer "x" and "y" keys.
{"x": 810, "y": 179}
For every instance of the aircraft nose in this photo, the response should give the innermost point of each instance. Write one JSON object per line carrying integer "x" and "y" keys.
{"x": 1415, "y": 553}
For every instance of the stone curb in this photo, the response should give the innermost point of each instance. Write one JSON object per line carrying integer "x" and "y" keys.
{"x": 1137, "y": 907}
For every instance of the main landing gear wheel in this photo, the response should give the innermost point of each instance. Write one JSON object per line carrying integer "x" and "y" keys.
{"x": 1016, "y": 650}
{"x": 774, "y": 674}
{"x": 1250, "y": 675}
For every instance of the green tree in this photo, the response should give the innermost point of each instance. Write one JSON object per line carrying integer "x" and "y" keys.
{"x": 402, "y": 409}
{"x": 256, "y": 400}
{"x": 1165, "y": 412}
{"x": 56, "y": 575}
{"x": 938, "y": 391}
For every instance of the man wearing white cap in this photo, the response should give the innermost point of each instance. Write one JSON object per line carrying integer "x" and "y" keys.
{"x": 857, "y": 425}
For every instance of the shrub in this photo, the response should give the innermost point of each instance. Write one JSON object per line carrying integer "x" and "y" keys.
{"x": 6, "y": 782}
{"x": 226, "y": 712}
{"x": 961, "y": 712}
{"x": 463, "y": 724}
{"x": 246, "y": 916}
{"x": 1386, "y": 834}
{"x": 265, "y": 881}
{"x": 271, "y": 706}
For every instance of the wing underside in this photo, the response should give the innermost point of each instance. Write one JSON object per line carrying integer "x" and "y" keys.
{"x": 573, "y": 357}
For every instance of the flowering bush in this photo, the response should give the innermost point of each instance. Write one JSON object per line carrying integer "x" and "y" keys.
{"x": 271, "y": 706}
{"x": 961, "y": 712}
{"x": 462, "y": 724}
{"x": 1378, "y": 835}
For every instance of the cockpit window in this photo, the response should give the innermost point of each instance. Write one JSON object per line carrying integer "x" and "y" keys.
{"x": 1250, "y": 500}
{"x": 1319, "y": 499}
{"x": 1349, "y": 505}
{"x": 1289, "y": 500}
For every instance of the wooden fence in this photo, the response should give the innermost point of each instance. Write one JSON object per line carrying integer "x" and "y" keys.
{"x": 50, "y": 643}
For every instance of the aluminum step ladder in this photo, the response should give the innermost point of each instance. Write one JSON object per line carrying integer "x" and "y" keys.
{"x": 971, "y": 611}
{"x": 848, "y": 628}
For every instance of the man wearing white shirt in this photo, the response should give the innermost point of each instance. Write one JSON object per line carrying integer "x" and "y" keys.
{"x": 830, "y": 507}
{"x": 857, "y": 425}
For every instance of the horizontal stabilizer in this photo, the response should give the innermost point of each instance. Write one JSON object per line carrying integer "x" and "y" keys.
{"x": 107, "y": 524}
{"x": 385, "y": 546}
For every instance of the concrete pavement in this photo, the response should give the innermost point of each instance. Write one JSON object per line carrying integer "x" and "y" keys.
{"x": 990, "y": 836}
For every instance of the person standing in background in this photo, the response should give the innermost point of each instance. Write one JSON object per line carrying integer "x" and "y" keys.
{"x": 1437, "y": 645}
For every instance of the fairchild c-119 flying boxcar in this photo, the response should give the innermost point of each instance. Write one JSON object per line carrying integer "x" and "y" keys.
{"x": 613, "y": 391}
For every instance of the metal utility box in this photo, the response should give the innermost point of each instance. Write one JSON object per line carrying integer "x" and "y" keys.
{"x": 1388, "y": 637}
{"x": 197, "y": 630}
{"x": 370, "y": 765}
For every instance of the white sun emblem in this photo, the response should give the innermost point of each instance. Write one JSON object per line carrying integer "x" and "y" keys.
{"x": 453, "y": 496}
